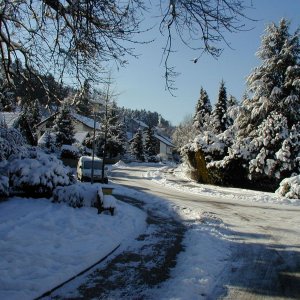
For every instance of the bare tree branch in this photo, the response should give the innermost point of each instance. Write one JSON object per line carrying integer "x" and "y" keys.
{"x": 79, "y": 37}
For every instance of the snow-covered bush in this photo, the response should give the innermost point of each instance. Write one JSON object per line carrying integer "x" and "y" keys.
{"x": 38, "y": 173}
{"x": 68, "y": 151}
{"x": 11, "y": 142}
{"x": 79, "y": 195}
{"x": 290, "y": 187}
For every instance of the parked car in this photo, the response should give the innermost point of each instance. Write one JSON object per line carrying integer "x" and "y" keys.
{"x": 84, "y": 169}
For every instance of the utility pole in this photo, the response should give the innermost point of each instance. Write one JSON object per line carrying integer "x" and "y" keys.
{"x": 107, "y": 98}
{"x": 93, "y": 150}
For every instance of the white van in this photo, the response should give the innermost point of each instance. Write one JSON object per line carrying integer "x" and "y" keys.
{"x": 84, "y": 169}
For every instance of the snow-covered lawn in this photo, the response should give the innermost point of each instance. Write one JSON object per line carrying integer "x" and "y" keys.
{"x": 43, "y": 244}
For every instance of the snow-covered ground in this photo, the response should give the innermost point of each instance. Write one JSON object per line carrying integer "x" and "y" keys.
{"x": 43, "y": 244}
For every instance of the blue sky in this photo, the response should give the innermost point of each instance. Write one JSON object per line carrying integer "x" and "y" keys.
{"x": 141, "y": 84}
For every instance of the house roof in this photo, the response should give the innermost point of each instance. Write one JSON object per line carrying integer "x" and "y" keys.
{"x": 79, "y": 137}
{"x": 164, "y": 139}
{"x": 84, "y": 120}
{"x": 140, "y": 123}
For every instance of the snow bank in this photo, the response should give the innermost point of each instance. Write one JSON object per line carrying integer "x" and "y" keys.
{"x": 43, "y": 244}
{"x": 120, "y": 164}
{"x": 163, "y": 177}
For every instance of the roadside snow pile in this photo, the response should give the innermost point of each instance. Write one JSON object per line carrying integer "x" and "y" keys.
{"x": 79, "y": 194}
{"x": 120, "y": 164}
{"x": 43, "y": 244}
{"x": 290, "y": 187}
{"x": 180, "y": 182}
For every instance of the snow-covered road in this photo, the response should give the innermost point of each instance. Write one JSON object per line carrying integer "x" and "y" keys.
{"x": 236, "y": 248}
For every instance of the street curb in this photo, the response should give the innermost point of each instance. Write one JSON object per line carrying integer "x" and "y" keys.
{"x": 49, "y": 292}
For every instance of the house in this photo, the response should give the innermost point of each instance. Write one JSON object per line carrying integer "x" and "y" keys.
{"x": 82, "y": 126}
{"x": 165, "y": 146}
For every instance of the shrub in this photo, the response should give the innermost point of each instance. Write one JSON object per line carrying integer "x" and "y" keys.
{"x": 68, "y": 151}
{"x": 38, "y": 173}
{"x": 290, "y": 187}
{"x": 11, "y": 142}
{"x": 79, "y": 195}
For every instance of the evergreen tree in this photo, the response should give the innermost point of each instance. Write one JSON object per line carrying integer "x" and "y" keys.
{"x": 63, "y": 127}
{"x": 24, "y": 125}
{"x": 275, "y": 84}
{"x": 116, "y": 132}
{"x": 232, "y": 101}
{"x": 137, "y": 147}
{"x": 82, "y": 104}
{"x": 203, "y": 111}
{"x": 150, "y": 145}
{"x": 49, "y": 141}
{"x": 219, "y": 120}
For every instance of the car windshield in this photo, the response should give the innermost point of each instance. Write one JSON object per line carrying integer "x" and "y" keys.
{"x": 88, "y": 165}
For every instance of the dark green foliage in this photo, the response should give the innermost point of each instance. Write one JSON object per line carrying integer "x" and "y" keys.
{"x": 64, "y": 128}
{"x": 137, "y": 147}
{"x": 26, "y": 129}
{"x": 203, "y": 111}
{"x": 150, "y": 148}
{"x": 219, "y": 121}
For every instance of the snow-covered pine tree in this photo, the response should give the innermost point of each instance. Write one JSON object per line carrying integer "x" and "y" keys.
{"x": 275, "y": 84}
{"x": 150, "y": 145}
{"x": 63, "y": 127}
{"x": 219, "y": 119}
{"x": 203, "y": 111}
{"x": 49, "y": 141}
{"x": 270, "y": 137}
{"x": 115, "y": 138}
{"x": 137, "y": 146}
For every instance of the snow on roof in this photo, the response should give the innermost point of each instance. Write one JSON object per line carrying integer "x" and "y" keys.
{"x": 164, "y": 139}
{"x": 86, "y": 121}
{"x": 141, "y": 123}
{"x": 79, "y": 137}
{"x": 9, "y": 118}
